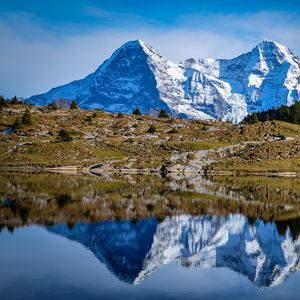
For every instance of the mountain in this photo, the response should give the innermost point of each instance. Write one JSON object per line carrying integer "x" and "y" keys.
{"x": 132, "y": 251}
{"x": 266, "y": 77}
{"x": 136, "y": 75}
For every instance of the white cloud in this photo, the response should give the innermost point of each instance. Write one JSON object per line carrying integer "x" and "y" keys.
{"x": 35, "y": 57}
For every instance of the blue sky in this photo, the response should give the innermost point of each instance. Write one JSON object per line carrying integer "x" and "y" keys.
{"x": 168, "y": 12}
{"x": 48, "y": 43}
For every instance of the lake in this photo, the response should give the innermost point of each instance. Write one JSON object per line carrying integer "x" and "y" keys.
{"x": 148, "y": 237}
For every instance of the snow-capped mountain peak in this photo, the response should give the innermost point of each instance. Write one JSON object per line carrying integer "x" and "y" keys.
{"x": 273, "y": 51}
{"x": 136, "y": 75}
{"x": 130, "y": 50}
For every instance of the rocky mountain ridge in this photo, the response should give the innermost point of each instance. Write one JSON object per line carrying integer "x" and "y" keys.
{"x": 136, "y": 75}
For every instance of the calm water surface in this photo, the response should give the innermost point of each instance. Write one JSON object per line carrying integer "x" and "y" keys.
{"x": 137, "y": 237}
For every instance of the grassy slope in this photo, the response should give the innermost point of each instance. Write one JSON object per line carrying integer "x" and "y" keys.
{"x": 125, "y": 141}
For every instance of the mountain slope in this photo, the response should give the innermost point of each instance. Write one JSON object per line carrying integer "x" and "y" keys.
{"x": 121, "y": 83}
{"x": 136, "y": 75}
{"x": 134, "y": 251}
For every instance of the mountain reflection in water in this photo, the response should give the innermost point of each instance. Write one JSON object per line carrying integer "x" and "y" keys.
{"x": 132, "y": 251}
{"x": 136, "y": 224}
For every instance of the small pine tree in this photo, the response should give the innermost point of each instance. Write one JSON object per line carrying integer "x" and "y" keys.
{"x": 64, "y": 135}
{"x": 73, "y": 105}
{"x": 297, "y": 112}
{"x": 120, "y": 115}
{"x": 151, "y": 129}
{"x": 17, "y": 124}
{"x": 94, "y": 115}
{"x": 3, "y": 102}
{"x": 26, "y": 118}
{"x": 284, "y": 113}
{"x": 254, "y": 118}
{"x": 14, "y": 100}
{"x": 136, "y": 111}
{"x": 163, "y": 114}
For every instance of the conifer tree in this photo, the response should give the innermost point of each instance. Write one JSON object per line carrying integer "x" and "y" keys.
{"x": 26, "y": 118}
{"x": 17, "y": 123}
{"x": 297, "y": 112}
{"x": 163, "y": 114}
{"x": 136, "y": 111}
{"x": 3, "y": 102}
{"x": 73, "y": 105}
{"x": 254, "y": 118}
{"x": 14, "y": 100}
{"x": 284, "y": 113}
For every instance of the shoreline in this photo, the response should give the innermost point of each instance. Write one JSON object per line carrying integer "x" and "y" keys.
{"x": 72, "y": 170}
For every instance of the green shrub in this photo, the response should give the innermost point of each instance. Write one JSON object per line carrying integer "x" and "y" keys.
{"x": 65, "y": 135}
{"x": 151, "y": 129}
{"x": 173, "y": 131}
{"x": 17, "y": 124}
{"x": 89, "y": 119}
{"x": 163, "y": 114}
{"x": 53, "y": 107}
{"x": 63, "y": 200}
{"x": 26, "y": 118}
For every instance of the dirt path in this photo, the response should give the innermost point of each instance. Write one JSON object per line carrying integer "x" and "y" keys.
{"x": 190, "y": 162}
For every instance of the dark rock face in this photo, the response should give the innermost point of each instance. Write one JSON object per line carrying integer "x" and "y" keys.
{"x": 61, "y": 103}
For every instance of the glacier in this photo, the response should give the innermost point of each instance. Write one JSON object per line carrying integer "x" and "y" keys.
{"x": 133, "y": 251}
{"x": 136, "y": 75}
